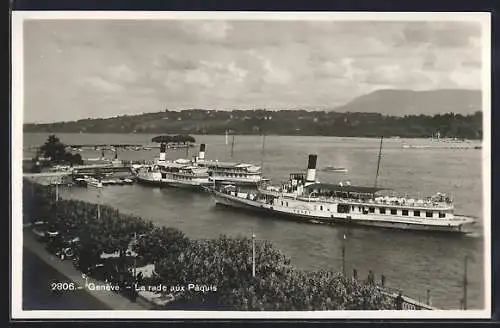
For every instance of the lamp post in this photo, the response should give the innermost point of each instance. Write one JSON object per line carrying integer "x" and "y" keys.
{"x": 253, "y": 254}
{"x": 98, "y": 202}
{"x": 343, "y": 254}
{"x": 135, "y": 258}
{"x": 465, "y": 284}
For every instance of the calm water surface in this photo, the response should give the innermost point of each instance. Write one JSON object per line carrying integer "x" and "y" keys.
{"x": 411, "y": 261}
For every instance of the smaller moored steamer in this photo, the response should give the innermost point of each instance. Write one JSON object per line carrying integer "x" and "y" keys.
{"x": 182, "y": 174}
{"x": 179, "y": 173}
{"x": 198, "y": 171}
{"x": 305, "y": 199}
{"x": 230, "y": 173}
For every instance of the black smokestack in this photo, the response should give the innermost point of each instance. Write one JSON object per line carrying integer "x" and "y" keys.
{"x": 201, "y": 155}
{"x": 311, "y": 168}
{"x": 312, "y": 161}
{"x": 163, "y": 149}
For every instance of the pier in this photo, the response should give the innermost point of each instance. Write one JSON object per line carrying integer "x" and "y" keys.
{"x": 49, "y": 178}
{"x": 66, "y": 176}
{"x": 113, "y": 147}
{"x": 99, "y": 169}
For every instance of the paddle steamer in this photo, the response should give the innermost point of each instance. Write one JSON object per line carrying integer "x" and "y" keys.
{"x": 198, "y": 171}
{"x": 180, "y": 173}
{"x": 240, "y": 174}
{"x": 303, "y": 198}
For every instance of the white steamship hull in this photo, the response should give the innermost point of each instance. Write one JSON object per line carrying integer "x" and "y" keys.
{"x": 148, "y": 181}
{"x": 190, "y": 185}
{"x": 393, "y": 222}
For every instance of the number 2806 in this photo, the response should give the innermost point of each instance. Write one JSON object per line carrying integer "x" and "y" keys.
{"x": 62, "y": 286}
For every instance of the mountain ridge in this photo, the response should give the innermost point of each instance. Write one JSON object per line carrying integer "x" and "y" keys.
{"x": 400, "y": 102}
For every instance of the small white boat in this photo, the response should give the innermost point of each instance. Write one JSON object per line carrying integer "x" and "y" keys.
{"x": 93, "y": 182}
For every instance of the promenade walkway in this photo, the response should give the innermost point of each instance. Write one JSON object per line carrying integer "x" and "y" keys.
{"x": 110, "y": 298}
{"x": 38, "y": 294}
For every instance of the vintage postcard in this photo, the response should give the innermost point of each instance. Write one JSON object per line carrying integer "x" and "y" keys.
{"x": 251, "y": 165}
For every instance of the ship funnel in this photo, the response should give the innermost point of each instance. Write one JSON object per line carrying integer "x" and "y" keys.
{"x": 201, "y": 155}
{"x": 311, "y": 168}
{"x": 163, "y": 149}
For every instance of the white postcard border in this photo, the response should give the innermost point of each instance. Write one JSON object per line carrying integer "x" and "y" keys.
{"x": 17, "y": 141}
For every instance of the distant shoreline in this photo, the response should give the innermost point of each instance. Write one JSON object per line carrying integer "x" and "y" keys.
{"x": 255, "y": 135}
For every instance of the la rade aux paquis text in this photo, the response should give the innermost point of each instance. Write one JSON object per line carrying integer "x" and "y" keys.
{"x": 155, "y": 288}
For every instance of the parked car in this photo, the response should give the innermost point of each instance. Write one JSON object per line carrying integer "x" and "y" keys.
{"x": 39, "y": 229}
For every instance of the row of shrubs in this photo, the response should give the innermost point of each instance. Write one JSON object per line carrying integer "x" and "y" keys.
{"x": 223, "y": 262}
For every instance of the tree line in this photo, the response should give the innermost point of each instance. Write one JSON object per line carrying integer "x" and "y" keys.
{"x": 283, "y": 122}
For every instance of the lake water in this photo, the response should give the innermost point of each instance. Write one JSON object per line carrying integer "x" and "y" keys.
{"x": 411, "y": 261}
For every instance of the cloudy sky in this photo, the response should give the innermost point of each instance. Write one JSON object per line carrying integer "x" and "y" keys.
{"x": 100, "y": 68}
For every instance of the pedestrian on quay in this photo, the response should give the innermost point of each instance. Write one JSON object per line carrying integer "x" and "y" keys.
{"x": 398, "y": 301}
{"x": 140, "y": 278}
{"x": 371, "y": 278}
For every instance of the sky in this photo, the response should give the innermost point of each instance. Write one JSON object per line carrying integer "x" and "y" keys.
{"x": 76, "y": 69}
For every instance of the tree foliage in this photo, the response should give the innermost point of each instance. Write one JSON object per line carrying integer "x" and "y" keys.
{"x": 55, "y": 151}
{"x": 180, "y": 138}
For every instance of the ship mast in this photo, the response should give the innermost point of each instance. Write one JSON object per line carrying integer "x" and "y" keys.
{"x": 378, "y": 163}
{"x": 232, "y": 147}
{"x": 262, "y": 152}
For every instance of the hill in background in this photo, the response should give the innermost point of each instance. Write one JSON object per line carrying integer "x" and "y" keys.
{"x": 409, "y": 102}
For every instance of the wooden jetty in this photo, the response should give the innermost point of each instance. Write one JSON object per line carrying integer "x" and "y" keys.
{"x": 80, "y": 146}
{"x": 117, "y": 146}
{"x": 99, "y": 168}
